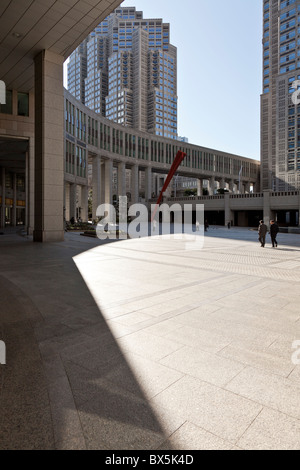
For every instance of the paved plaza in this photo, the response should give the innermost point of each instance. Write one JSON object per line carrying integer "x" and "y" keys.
{"x": 144, "y": 344}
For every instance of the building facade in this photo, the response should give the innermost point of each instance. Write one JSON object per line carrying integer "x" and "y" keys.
{"x": 77, "y": 71}
{"x": 280, "y": 116}
{"x": 126, "y": 70}
{"x": 108, "y": 160}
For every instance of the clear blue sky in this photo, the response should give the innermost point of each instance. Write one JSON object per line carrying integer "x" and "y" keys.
{"x": 219, "y": 69}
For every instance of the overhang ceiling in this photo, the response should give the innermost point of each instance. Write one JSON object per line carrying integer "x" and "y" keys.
{"x": 30, "y": 26}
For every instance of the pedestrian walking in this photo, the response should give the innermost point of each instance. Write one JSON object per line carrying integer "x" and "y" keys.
{"x": 206, "y": 225}
{"x": 229, "y": 225}
{"x": 262, "y": 232}
{"x": 197, "y": 226}
{"x": 274, "y": 230}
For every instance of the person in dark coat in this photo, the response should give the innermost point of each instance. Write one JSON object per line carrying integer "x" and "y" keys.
{"x": 262, "y": 232}
{"x": 274, "y": 229}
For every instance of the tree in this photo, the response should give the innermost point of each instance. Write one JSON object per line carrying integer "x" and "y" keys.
{"x": 222, "y": 191}
{"x": 190, "y": 192}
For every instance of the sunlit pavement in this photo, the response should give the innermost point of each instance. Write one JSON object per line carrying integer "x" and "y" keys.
{"x": 151, "y": 343}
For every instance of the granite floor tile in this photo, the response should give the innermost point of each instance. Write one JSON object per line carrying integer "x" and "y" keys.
{"x": 263, "y": 359}
{"x": 272, "y": 431}
{"x": 191, "y": 437}
{"x": 214, "y": 409}
{"x": 148, "y": 346}
{"x": 205, "y": 366}
{"x": 268, "y": 389}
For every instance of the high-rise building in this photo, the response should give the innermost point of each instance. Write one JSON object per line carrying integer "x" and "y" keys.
{"x": 183, "y": 139}
{"x": 126, "y": 70}
{"x": 77, "y": 69}
{"x": 280, "y": 117}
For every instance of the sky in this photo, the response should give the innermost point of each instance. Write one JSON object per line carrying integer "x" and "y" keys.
{"x": 219, "y": 47}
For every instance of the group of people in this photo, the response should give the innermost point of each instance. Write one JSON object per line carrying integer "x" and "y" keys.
{"x": 263, "y": 230}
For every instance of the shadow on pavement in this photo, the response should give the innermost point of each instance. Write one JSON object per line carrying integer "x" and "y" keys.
{"x": 66, "y": 384}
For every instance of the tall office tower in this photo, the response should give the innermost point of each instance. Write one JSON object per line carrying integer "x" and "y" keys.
{"x": 77, "y": 69}
{"x": 96, "y": 81}
{"x": 280, "y": 117}
{"x": 120, "y": 97}
{"x": 131, "y": 73}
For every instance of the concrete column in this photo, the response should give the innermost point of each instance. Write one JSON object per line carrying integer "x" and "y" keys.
{"x": 2, "y": 222}
{"x": 49, "y": 147}
{"x": 231, "y": 186}
{"x": 135, "y": 184}
{"x": 102, "y": 184}
{"x": 229, "y": 215}
{"x": 211, "y": 186}
{"x": 268, "y": 213}
{"x": 73, "y": 200}
{"x": 65, "y": 198}
{"x": 148, "y": 184}
{"x": 84, "y": 203}
{"x": 199, "y": 187}
{"x": 108, "y": 182}
{"x": 96, "y": 184}
{"x": 30, "y": 201}
{"x": 67, "y": 202}
{"x": 155, "y": 184}
{"x": 241, "y": 188}
{"x": 257, "y": 187}
{"x": 14, "y": 208}
{"x": 27, "y": 196}
{"x": 121, "y": 179}
{"x": 247, "y": 188}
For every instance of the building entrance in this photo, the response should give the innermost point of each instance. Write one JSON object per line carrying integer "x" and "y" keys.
{"x": 13, "y": 177}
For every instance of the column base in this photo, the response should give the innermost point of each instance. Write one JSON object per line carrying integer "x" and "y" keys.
{"x": 42, "y": 236}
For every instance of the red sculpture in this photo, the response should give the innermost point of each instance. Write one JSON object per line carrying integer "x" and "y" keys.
{"x": 177, "y": 162}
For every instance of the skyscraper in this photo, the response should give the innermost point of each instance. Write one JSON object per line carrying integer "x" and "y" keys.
{"x": 280, "y": 117}
{"x": 129, "y": 71}
{"x": 77, "y": 69}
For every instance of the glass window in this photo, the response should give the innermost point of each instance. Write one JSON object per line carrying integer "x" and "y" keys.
{"x": 8, "y": 180}
{"x": 23, "y": 104}
{"x": 20, "y": 183}
{"x": 7, "y": 108}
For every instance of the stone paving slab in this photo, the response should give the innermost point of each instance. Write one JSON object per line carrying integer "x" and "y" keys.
{"x": 144, "y": 345}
